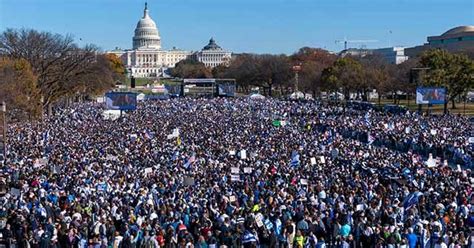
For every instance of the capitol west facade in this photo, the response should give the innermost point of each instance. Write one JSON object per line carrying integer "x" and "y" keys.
{"x": 147, "y": 59}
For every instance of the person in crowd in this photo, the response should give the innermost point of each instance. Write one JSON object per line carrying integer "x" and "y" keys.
{"x": 238, "y": 173}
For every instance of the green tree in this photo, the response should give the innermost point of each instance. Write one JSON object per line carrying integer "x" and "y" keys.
{"x": 244, "y": 68}
{"x": 313, "y": 61}
{"x": 191, "y": 69}
{"x": 273, "y": 70}
{"x": 344, "y": 74}
{"x": 117, "y": 66}
{"x": 452, "y": 71}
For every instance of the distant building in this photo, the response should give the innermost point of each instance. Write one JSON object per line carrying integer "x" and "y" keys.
{"x": 458, "y": 39}
{"x": 212, "y": 55}
{"x": 393, "y": 55}
{"x": 355, "y": 52}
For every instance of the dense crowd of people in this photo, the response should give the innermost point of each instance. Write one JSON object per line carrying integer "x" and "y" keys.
{"x": 238, "y": 173}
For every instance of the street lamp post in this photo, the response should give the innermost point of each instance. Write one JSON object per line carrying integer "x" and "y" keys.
{"x": 42, "y": 108}
{"x": 4, "y": 116}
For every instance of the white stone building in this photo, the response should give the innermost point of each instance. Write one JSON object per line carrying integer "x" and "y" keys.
{"x": 212, "y": 55}
{"x": 147, "y": 59}
{"x": 393, "y": 55}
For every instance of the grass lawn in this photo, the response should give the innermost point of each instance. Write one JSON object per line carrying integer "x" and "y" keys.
{"x": 436, "y": 109}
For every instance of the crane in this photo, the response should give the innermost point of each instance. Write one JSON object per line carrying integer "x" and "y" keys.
{"x": 345, "y": 41}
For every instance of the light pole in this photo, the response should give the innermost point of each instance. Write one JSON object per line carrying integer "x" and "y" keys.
{"x": 4, "y": 116}
{"x": 42, "y": 108}
{"x": 296, "y": 69}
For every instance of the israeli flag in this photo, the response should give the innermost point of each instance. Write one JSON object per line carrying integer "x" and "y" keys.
{"x": 367, "y": 119}
{"x": 370, "y": 138}
{"x": 248, "y": 237}
{"x": 295, "y": 159}
{"x": 411, "y": 200}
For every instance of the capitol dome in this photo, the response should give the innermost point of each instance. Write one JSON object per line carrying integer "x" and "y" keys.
{"x": 146, "y": 33}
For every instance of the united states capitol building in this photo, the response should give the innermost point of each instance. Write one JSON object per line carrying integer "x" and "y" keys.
{"x": 148, "y": 59}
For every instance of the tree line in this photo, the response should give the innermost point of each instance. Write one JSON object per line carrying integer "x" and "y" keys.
{"x": 40, "y": 70}
{"x": 322, "y": 71}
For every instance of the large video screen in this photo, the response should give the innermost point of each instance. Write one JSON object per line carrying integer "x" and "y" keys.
{"x": 425, "y": 95}
{"x": 121, "y": 100}
{"x": 226, "y": 89}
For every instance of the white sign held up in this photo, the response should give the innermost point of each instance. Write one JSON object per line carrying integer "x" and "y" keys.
{"x": 243, "y": 154}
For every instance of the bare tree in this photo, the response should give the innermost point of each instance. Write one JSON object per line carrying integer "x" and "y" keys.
{"x": 56, "y": 60}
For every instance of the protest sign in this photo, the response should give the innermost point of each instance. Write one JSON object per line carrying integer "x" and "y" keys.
{"x": 433, "y": 131}
{"x": 40, "y": 162}
{"x": 232, "y": 198}
{"x": 323, "y": 160}
{"x": 276, "y": 123}
{"x": 102, "y": 186}
{"x": 471, "y": 140}
{"x": 175, "y": 132}
{"x": 148, "y": 170}
{"x": 248, "y": 170}
{"x": 111, "y": 157}
{"x": 234, "y": 178}
{"x": 431, "y": 162}
{"x": 234, "y": 170}
{"x": 188, "y": 181}
{"x": 15, "y": 192}
{"x": 313, "y": 161}
{"x": 232, "y": 153}
{"x": 304, "y": 181}
{"x": 268, "y": 224}
{"x": 243, "y": 154}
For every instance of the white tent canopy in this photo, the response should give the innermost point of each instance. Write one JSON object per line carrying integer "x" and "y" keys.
{"x": 111, "y": 114}
{"x": 300, "y": 95}
{"x": 256, "y": 96}
{"x": 140, "y": 97}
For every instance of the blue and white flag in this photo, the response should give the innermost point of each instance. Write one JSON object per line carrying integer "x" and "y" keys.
{"x": 248, "y": 237}
{"x": 45, "y": 137}
{"x": 370, "y": 138}
{"x": 190, "y": 161}
{"x": 411, "y": 200}
{"x": 367, "y": 119}
{"x": 295, "y": 159}
{"x": 102, "y": 186}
